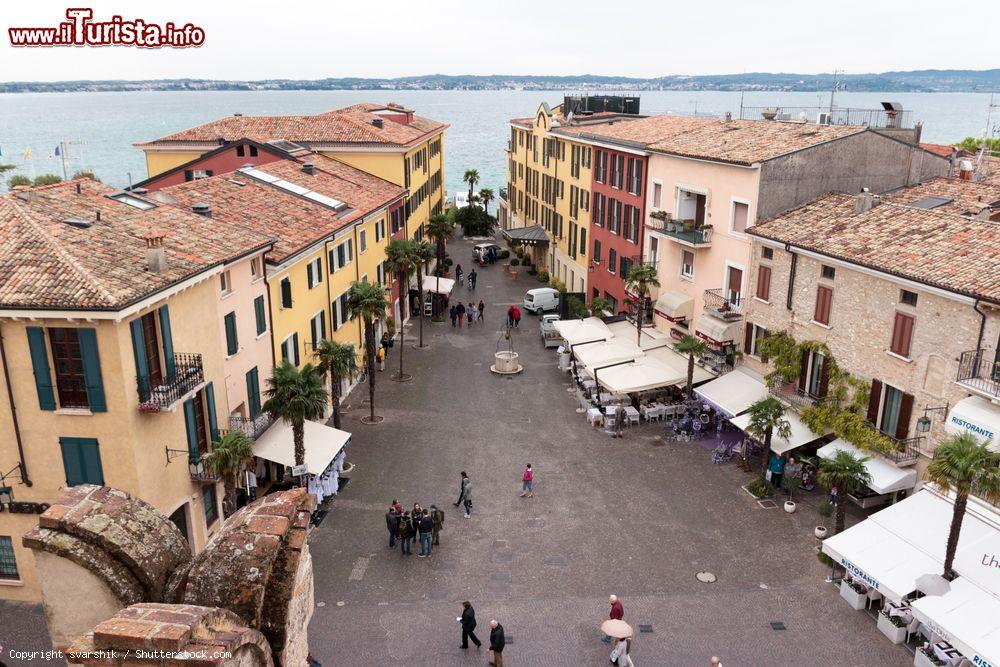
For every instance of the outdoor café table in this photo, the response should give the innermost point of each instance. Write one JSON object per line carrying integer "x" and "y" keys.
{"x": 947, "y": 653}
{"x": 651, "y": 412}
{"x": 901, "y": 611}
{"x": 589, "y": 384}
{"x": 631, "y": 413}
{"x": 594, "y": 416}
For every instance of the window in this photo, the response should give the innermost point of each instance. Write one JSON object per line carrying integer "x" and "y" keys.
{"x": 583, "y": 241}
{"x": 253, "y": 392}
{"x": 687, "y": 264}
{"x": 597, "y": 251}
{"x": 889, "y": 422}
{"x": 253, "y": 151}
{"x": 755, "y": 334}
{"x": 635, "y": 176}
{"x": 902, "y": 334}
{"x": 314, "y": 272}
{"x": 232, "y": 343}
{"x": 379, "y": 230}
{"x": 68, "y": 361}
{"x": 740, "y": 214}
{"x": 654, "y": 250}
{"x": 255, "y": 271}
{"x": 259, "y": 315}
{"x": 317, "y": 327}
{"x": 8, "y": 563}
{"x": 208, "y": 497}
{"x": 286, "y": 293}
{"x": 241, "y": 151}
{"x": 226, "y": 282}
{"x": 763, "y": 283}
{"x": 612, "y": 259}
{"x": 908, "y": 298}
{"x": 625, "y": 266}
{"x": 890, "y": 409}
{"x": 767, "y": 253}
{"x": 817, "y": 375}
{"x": 824, "y": 296}
{"x": 81, "y": 461}
{"x": 657, "y": 194}
{"x": 362, "y": 242}
{"x": 612, "y": 302}
{"x": 290, "y": 349}
{"x": 828, "y": 272}
{"x": 341, "y": 256}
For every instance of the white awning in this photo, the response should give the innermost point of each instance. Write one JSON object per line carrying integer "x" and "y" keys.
{"x": 978, "y": 416}
{"x": 323, "y": 444}
{"x": 886, "y": 478}
{"x": 717, "y": 332}
{"x": 679, "y": 362}
{"x": 675, "y": 306}
{"x": 613, "y": 351}
{"x": 968, "y": 617}
{"x": 650, "y": 337}
{"x": 575, "y": 332}
{"x": 733, "y": 392}
{"x": 439, "y": 285}
{"x": 801, "y": 434}
{"x": 642, "y": 375}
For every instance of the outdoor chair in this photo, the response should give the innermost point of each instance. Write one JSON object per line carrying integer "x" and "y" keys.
{"x": 912, "y": 628}
{"x": 873, "y": 597}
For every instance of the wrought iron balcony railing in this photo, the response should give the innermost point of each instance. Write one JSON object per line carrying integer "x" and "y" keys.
{"x": 199, "y": 472}
{"x": 905, "y": 451}
{"x": 792, "y": 394}
{"x": 979, "y": 371}
{"x": 681, "y": 231}
{"x": 253, "y": 428}
{"x": 722, "y": 305}
{"x": 187, "y": 374}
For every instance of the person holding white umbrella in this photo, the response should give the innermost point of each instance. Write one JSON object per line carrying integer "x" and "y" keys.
{"x": 620, "y": 653}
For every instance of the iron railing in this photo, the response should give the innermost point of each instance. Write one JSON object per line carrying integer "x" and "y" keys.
{"x": 877, "y": 118}
{"x": 792, "y": 394}
{"x": 722, "y": 305}
{"x": 252, "y": 428}
{"x": 718, "y": 362}
{"x": 188, "y": 373}
{"x": 503, "y": 194}
{"x": 199, "y": 472}
{"x": 681, "y": 231}
{"x": 905, "y": 451}
{"x": 979, "y": 370}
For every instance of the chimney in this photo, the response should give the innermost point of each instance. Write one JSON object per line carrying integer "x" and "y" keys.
{"x": 22, "y": 192}
{"x": 202, "y": 209}
{"x": 78, "y": 189}
{"x": 965, "y": 170}
{"x": 309, "y": 168}
{"x": 98, "y": 215}
{"x": 864, "y": 202}
{"x": 378, "y": 122}
{"x": 728, "y": 116}
{"x": 156, "y": 255}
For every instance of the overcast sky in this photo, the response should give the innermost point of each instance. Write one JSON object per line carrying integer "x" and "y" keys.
{"x": 310, "y": 39}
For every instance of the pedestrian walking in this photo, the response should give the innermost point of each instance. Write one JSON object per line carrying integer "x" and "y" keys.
{"x": 479, "y": 311}
{"x": 470, "y": 311}
{"x": 776, "y": 468}
{"x": 405, "y": 534}
{"x": 510, "y": 316}
{"x": 468, "y": 621}
{"x": 460, "y": 311}
{"x": 620, "y": 653}
{"x": 461, "y": 489}
{"x": 497, "y": 642}
{"x": 438, "y": 516}
{"x": 617, "y": 612}
{"x": 392, "y": 524}
{"x": 467, "y": 497}
{"x": 426, "y": 528}
{"x": 716, "y": 662}
{"x": 492, "y": 254}
{"x": 380, "y": 358}
{"x": 527, "y": 481}
{"x": 451, "y": 313}
{"x": 473, "y": 277}
{"x": 458, "y": 274}
{"x": 517, "y": 317}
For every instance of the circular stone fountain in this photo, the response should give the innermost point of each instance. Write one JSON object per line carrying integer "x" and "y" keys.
{"x": 505, "y": 363}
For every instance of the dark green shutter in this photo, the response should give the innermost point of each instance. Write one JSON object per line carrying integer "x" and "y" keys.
{"x": 139, "y": 352}
{"x": 191, "y": 426}
{"x": 232, "y": 344}
{"x": 92, "y": 370}
{"x": 168, "y": 344}
{"x": 81, "y": 461}
{"x": 334, "y": 324}
{"x": 213, "y": 422}
{"x": 295, "y": 344}
{"x": 309, "y": 275}
{"x": 253, "y": 392}
{"x": 258, "y": 307}
{"x": 322, "y": 326}
{"x": 40, "y": 366}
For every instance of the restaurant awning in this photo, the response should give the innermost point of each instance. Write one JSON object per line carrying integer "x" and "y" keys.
{"x": 588, "y": 330}
{"x": 528, "y": 236}
{"x": 886, "y": 477}
{"x": 978, "y": 416}
{"x": 801, "y": 434}
{"x": 641, "y": 375}
{"x": 323, "y": 444}
{"x": 649, "y": 339}
{"x": 675, "y": 306}
{"x": 968, "y": 617}
{"x": 613, "y": 351}
{"x": 677, "y": 361}
{"x": 733, "y": 392}
{"x": 717, "y": 332}
{"x": 438, "y": 285}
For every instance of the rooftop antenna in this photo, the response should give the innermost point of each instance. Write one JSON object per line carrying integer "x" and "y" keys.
{"x": 978, "y": 174}
{"x": 837, "y": 84}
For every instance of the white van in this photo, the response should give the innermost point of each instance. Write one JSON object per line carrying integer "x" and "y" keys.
{"x": 540, "y": 299}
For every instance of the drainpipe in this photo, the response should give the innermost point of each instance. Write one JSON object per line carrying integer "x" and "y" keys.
{"x": 13, "y": 414}
{"x": 982, "y": 325}
{"x": 791, "y": 276}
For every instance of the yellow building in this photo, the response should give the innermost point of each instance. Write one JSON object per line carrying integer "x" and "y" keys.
{"x": 387, "y": 141}
{"x": 108, "y": 374}
{"x": 548, "y": 184}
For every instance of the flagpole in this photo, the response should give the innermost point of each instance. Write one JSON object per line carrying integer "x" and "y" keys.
{"x": 63, "y": 158}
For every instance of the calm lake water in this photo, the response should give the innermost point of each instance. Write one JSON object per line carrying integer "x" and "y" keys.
{"x": 105, "y": 125}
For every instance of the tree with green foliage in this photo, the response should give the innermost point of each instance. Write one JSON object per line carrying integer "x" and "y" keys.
{"x": 4, "y": 168}
{"x": 85, "y": 173}
{"x": 474, "y": 221}
{"x": 964, "y": 465}
{"x": 440, "y": 230}
{"x": 422, "y": 254}
{"x": 973, "y": 144}
{"x": 367, "y": 300}
{"x": 848, "y": 474}
{"x": 598, "y": 305}
{"x": 694, "y": 348}
{"x": 295, "y": 395}
{"x": 640, "y": 278}
{"x": 767, "y": 417}
{"x": 18, "y": 180}
{"x": 575, "y": 308}
{"x": 227, "y": 458}
{"x": 47, "y": 179}
{"x": 401, "y": 260}
{"x": 471, "y": 177}
{"x": 340, "y": 360}
{"x": 485, "y": 197}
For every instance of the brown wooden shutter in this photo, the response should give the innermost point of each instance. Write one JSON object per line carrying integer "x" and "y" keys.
{"x": 748, "y": 339}
{"x": 764, "y": 283}
{"x": 824, "y": 295}
{"x": 824, "y": 378}
{"x": 873, "y": 401}
{"x": 905, "y": 410}
{"x": 803, "y": 370}
{"x": 902, "y": 332}
{"x": 763, "y": 357}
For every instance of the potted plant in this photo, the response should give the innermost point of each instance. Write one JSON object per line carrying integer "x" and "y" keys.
{"x": 759, "y": 488}
{"x": 515, "y": 262}
{"x": 791, "y": 483}
{"x": 671, "y": 225}
{"x": 705, "y": 231}
{"x": 924, "y": 657}
{"x": 854, "y": 593}
{"x": 820, "y": 532}
{"x": 687, "y": 225}
{"x": 892, "y": 627}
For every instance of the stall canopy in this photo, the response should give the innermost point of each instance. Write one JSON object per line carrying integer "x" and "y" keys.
{"x": 886, "y": 477}
{"x": 641, "y": 375}
{"x": 589, "y": 330}
{"x": 438, "y": 285}
{"x": 650, "y": 337}
{"x": 968, "y": 617}
{"x": 323, "y": 444}
{"x": 614, "y": 351}
{"x": 733, "y": 392}
{"x": 716, "y": 331}
{"x": 977, "y": 416}
{"x": 679, "y": 362}
{"x": 675, "y": 306}
{"x": 801, "y": 434}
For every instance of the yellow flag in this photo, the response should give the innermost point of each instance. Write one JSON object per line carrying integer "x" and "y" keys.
{"x": 27, "y": 153}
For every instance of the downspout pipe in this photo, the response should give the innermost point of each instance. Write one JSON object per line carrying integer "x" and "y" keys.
{"x": 982, "y": 326}
{"x": 791, "y": 275}
{"x": 25, "y": 479}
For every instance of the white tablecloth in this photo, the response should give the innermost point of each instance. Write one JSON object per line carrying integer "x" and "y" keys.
{"x": 947, "y": 653}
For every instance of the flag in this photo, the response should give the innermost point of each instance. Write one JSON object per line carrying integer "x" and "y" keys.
{"x": 57, "y": 151}
{"x": 27, "y": 152}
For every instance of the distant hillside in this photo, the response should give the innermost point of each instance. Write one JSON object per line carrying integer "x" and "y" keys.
{"x": 915, "y": 81}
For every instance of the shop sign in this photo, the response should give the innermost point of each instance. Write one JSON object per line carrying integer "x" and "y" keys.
{"x": 858, "y": 573}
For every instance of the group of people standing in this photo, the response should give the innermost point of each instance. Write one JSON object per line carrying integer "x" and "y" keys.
{"x": 473, "y": 277}
{"x": 460, "y": 312}
{"x": 405, "y": 525}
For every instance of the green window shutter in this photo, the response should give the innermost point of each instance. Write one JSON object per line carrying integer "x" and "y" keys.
{"x": 139, "y": 353}
{"x": 168, "y": 343}
{"x": 322, "y": 326}
{"x": 258, "y": 307}
{"x": 232, "y": 344}
{"x": 253, "y": 393}
{"x": 92, "y": 370}
{"x": 309, "y": 275}
{"x": 81, "y": 461}
{"x": 40, "y": 366}
{"x": 191, "y": 426}
{"x": 213, "y": 422}
{"x": 295, "y": 346}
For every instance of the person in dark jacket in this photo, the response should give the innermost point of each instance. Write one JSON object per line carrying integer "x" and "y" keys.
{"x": 460, "y": 313}
{"x": 437, "y": 516}
{"x": 405, "y": 534}
{"x": 392, "y": 524}
{"x": 452, "y": 312}
{"x": 468, "y": 621}
{"x": 461, "y": 489}
{"x": 497, "y": 642}
{"x": 426, "y": 529}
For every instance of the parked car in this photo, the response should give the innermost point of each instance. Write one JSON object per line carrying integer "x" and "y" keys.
{"x": 480, "y": 249}
{"x": 540, "y": 299}
{"x": 550, "y": 336}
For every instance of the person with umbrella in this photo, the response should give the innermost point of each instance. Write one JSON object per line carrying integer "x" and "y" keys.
{"x": 617, "y": 614}
{"x": 620, "y": 653}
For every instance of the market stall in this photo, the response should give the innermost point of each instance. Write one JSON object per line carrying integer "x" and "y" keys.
{"x": 438, "y": 285}
{"x": 324, "y": 458}
{"x": 886, "y": 479}
{"x": 643, "y": 374}
{"x": 734, "y": 392}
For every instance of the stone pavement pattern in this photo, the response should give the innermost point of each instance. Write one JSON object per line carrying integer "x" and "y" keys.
{"x": 632, "y": 517}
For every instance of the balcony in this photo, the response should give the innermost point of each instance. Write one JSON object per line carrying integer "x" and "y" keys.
{"x": 188, "y": 374}
{"x": 681, "y": 231}
{"x": 790, "y": 393}
{"x": 199, "y": 473}
{"x": 503, "y": 194}
{"x": 904, "y": 453}
{"x": 718, "y": 304}
{"x": 252, "y": 428}
{"x": 875, "y": 118}
{"x": 979, "y": 372}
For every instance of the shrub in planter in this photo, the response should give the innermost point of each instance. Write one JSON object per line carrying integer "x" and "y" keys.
{"x": 504, "y": 254}
{"x": 760, "y": 488}
{"x": 556, "y": 283}
{"x": 895, "y": 620}
{"x": 856, "y": 586}
{"x": 928, "y": 653}
{"x": 448, "y": 262}
{"x": 825, "y": 509}
{"x": 543, "y": 276}
{"x": 825, "y": 559}
{"x": 515, "y": 262}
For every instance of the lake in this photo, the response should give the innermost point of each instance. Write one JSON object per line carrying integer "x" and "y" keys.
{"x": 103, "y": 126}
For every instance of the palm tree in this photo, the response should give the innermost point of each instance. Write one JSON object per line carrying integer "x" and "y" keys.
{"x": 368, "y": 301}
{"x": 694, "y": 348}
{"x": 294, "y": 396}
{"x": 640, "y": 278}
{"x": 227, "y": 458}
{"x": 440, "y": 230}
{"x": 963, "y": 464}
{"x": 767, "y": 416}
{"x": 422, "y": 254}
{"x": 847, "y": 472}
{"x": 486, "y": 196}
{"x": 400, "y": 259}
{"x": 472, "y": 178}
{"x": 341, "y": 360}
{"x": 598, "y": 305}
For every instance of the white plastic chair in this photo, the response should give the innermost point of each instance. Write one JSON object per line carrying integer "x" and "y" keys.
{"x": 873, "y": 597}
{"x": 912, "y": 628}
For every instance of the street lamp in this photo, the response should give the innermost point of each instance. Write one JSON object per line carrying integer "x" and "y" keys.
{"x": 924, "y": 423}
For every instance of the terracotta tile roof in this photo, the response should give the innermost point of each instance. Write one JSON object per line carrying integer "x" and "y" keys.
{"x": 350, "y": 125}
{"x": 968, "y": 197}
{"x": 944, "y": 150}
{"x": 581, "y": 119}
{"x": 293, "y": 221}
{"x": 954, "y": 252}
{"x": 46, "y": 263}
{"x": 735, "y": 141}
